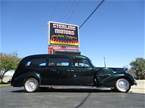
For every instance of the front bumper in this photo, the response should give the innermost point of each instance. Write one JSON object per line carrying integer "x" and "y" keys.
{"x": 135, "y": 83}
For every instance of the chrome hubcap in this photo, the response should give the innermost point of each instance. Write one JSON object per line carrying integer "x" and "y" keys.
{"x": 31, "y": 85}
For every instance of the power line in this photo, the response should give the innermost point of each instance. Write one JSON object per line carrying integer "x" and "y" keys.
{"x": 97, "y": 7}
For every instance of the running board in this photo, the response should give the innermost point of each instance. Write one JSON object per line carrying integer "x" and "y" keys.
{"x": 76, "y": 87}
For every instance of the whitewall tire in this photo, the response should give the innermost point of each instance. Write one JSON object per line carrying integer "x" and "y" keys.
{"x": 122, "y": 85}
{"x": 31, "y": 85}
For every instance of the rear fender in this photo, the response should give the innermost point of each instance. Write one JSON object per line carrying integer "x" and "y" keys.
{"x": 32, "y": 75}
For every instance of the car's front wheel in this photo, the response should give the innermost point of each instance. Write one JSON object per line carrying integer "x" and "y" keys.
{"x": 31, "y": 85}
{"x": 122, "y": 85}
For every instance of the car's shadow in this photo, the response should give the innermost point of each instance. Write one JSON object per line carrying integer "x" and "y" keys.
{"x": 44, "y": 90}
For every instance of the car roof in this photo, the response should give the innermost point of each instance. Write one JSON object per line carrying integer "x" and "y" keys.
{"x": 55, "y": 55}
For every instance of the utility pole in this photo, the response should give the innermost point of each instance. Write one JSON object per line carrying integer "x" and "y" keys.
{"x": 104, "y": 62}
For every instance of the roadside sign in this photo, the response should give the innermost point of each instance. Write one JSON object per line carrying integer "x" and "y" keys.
{"x": 63, "y": 34}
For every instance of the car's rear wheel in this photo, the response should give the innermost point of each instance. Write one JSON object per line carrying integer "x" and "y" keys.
{"x": 122, "y": 85}
{"x": 31, "y": 85}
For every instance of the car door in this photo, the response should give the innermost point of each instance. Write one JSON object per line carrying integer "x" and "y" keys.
{"x": 51, "y": 73}
{"x": 81, "y": 72}
{"x": 56, "y": 73}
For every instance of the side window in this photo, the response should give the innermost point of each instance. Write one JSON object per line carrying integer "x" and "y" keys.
{"x": 42, "y": 64}
{"x": 51, "y": 62}
{"x": 28, "y": 63}
{"x": 81, "y": 63}
{"x": 38, "y": 62}
{"x": 58, "y": 62}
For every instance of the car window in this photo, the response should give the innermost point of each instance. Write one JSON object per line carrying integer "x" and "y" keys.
{"x": 42, "y": 64}
{"x": 37, "y": 62}
{"x": 28, "y": 63}
{"x": 58, "y": 62}
{"x": 81, "y": 63}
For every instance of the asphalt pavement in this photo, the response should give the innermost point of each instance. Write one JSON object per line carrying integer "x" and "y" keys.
{"x": 69, "y": 98}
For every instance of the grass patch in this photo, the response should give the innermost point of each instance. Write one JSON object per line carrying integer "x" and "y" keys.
{"x": 4, "y": 85}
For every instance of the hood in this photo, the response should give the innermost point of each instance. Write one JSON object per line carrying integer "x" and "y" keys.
{"x": 119, "y": 70}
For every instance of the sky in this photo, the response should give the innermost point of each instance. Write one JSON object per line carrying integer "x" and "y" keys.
{"x": 115, "y": 31}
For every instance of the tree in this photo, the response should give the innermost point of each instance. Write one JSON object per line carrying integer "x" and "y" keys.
{"x": 7, "y": 62}
{"x": 138, "y": 67}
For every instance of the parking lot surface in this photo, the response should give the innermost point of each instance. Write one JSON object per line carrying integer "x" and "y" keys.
{"x": 69, "y": 98}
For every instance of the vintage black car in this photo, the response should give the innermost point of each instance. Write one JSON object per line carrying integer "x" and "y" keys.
{"x": 46, "y": 70}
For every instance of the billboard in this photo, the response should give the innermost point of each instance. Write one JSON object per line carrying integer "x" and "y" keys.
{"x": 63, "y": 34}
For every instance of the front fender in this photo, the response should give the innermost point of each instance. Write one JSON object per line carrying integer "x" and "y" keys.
{"x": 112, "y": 80}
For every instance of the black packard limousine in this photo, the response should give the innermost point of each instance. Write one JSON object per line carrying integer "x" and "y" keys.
{"x": 51, "y": 70}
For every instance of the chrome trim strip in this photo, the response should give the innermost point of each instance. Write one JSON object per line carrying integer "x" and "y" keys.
{"x": 76, "y": 87}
